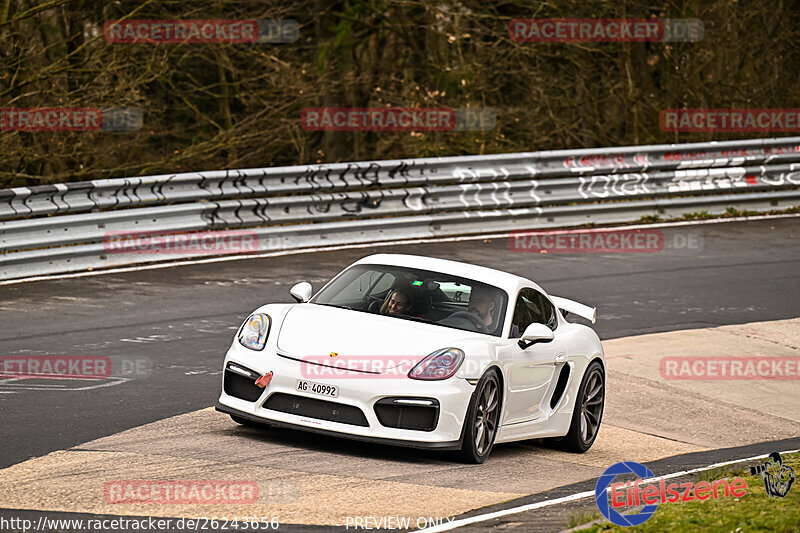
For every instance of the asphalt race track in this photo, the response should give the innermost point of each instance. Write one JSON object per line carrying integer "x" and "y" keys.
{"x": 178, "y": 322}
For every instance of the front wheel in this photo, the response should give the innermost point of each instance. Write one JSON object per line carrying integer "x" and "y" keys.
{"x": 482, "y": 420}
{"x": 588, "y": 411}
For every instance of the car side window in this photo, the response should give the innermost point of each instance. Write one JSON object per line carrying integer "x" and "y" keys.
{"x": 532, "y": 307}
{"x": 383, "y": 285}
{"x": 355, "y": 288}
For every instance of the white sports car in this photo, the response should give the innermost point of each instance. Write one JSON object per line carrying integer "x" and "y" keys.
{"x": 421, "y": 352}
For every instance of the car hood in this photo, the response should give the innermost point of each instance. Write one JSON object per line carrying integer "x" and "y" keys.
{"x": 313, "y": 332}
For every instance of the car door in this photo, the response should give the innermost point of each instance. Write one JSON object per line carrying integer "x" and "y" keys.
{"x": 530, "y": 371}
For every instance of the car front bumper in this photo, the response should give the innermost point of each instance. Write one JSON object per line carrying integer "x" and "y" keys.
{"x": 355, "y": 389}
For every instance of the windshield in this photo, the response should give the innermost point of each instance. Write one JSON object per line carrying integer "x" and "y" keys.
{"x": 418, "y": 295}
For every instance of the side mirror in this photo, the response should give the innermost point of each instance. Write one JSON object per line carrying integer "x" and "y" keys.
{"x": 301, "y": 292}
{"x": 535, "y": 333}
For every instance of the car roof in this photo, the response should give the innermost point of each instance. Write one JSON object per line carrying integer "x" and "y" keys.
{"x": 511, "y": 283}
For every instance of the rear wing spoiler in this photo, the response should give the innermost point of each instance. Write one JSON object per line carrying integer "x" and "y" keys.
{"x": 583, "y": 311}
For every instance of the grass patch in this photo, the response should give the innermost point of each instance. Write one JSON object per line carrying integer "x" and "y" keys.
{"x": 583, "y": 516}
{"x": 732, "y": 212}
{"x": 699, "y": 215}
{"x": 725, "y": 471}
{"x": 755, "y": 511}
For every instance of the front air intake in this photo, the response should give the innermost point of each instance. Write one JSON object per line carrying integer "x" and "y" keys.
{"x": 239, "y": 382}
{"x": 418, "y": 414}
{"x": 319, "y": 409}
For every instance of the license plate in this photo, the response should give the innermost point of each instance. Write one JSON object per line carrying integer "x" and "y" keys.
{"x": 318, "y": 388}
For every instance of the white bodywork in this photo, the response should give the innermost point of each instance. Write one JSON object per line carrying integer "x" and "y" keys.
{"x": 528, "y": 376}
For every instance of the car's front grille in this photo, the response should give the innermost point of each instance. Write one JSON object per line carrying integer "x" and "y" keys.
{"x": 419, "y": 414}
{"x": 239, "y": 386}
{"x": 313, "y": 408}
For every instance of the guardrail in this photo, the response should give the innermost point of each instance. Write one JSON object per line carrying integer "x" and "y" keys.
{"x": 66, "y": 227}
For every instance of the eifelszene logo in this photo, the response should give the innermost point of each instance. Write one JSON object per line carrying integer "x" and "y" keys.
{"x": 778, "y": 477}
{"x": 600, "y": 496}
{"x": 649, "y": 491}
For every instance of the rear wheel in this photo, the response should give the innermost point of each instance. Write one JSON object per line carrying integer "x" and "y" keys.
{"x": 482, "y": 420}
{"x": 588, "y": 411}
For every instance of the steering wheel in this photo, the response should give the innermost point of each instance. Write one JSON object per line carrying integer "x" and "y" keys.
{"x": 470, "y": 316}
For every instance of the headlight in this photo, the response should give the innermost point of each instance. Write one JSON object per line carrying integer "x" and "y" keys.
{"x": 254, "y": 332}
{"x": 441, "y": 364}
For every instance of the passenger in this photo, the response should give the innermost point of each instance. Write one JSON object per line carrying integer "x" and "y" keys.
{"x": 399, "y": 302}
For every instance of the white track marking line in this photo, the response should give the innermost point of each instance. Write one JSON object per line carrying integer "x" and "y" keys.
{"x": 16, "y": 384}
{"x": 577, "y": 496}
{"x": 379, "y": 244}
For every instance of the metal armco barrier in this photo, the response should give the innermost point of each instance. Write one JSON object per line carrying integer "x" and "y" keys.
{"x": 65, "y": 227}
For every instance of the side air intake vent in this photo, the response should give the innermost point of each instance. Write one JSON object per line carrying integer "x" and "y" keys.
{"x": 561, "y": 386}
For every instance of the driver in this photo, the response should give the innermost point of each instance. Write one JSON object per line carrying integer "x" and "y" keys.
{"x": 482, "y": 304}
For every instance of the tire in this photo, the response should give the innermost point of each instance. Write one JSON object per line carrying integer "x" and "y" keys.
{"x": 483, "y": 414}
{"x": 588, "y": 411}
{"x": 246, "y": 422}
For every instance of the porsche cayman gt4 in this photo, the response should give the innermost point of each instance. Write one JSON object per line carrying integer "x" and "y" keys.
{"x": 423, "y": 352}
